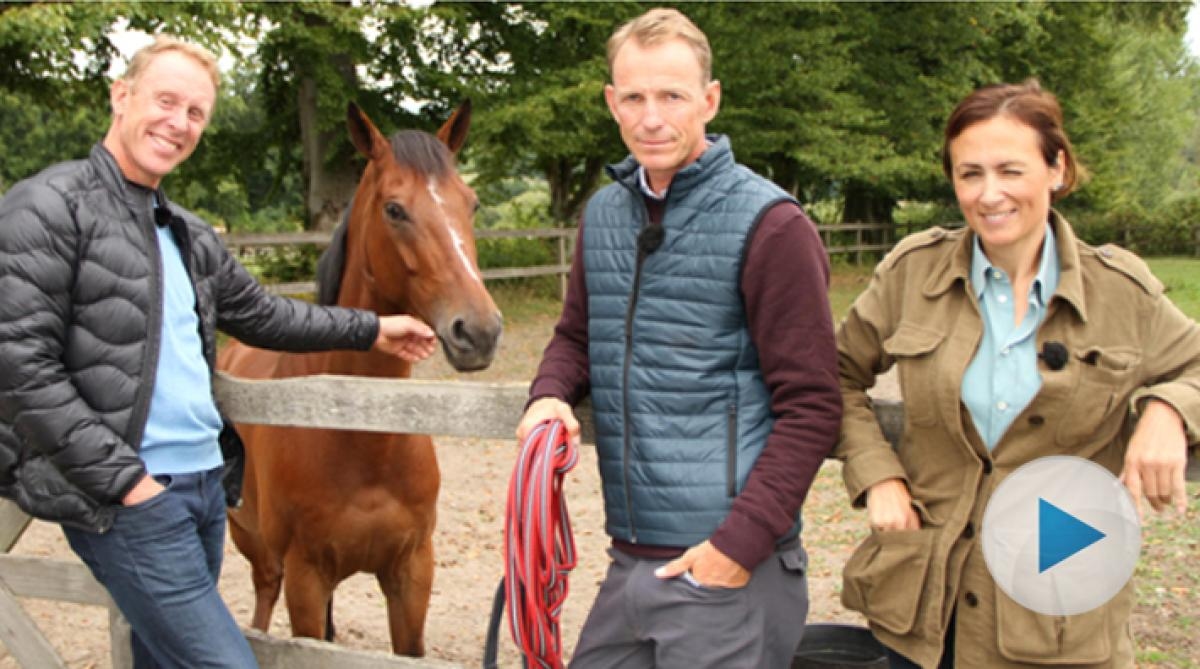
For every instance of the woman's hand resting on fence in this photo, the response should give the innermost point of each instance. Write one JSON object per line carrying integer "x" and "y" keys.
{"x": 405, "y": 337}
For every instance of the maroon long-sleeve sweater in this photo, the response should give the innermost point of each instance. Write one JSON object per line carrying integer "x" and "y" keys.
{"x": 785, "y": 281}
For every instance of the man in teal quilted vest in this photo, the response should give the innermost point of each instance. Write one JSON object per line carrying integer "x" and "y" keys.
{"x": 697, "y": 318}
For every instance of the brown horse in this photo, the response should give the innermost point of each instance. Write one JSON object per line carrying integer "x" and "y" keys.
{"x": 321, "y": 505}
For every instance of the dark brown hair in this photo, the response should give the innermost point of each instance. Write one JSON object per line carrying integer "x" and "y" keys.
{"x": 1029, "y": 104}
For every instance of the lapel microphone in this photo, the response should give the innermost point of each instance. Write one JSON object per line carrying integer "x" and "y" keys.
{"x": 649, "y": 239}
{"x": 162, "y": 216}
{"x": 1054, "y": 355}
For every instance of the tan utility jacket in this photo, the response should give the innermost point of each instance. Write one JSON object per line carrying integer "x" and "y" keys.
{"x": 1126, "y": 342}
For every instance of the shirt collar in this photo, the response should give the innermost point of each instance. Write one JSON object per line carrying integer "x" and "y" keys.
{"x": 709, "y": 142}
{"x": 1044, "y": 283}
{"x": 644, "y": 183}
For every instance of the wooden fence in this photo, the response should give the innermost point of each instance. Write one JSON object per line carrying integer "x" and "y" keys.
{"x": 446, "y": 408}
{"x": 457, "y": 409}
{"x": 837, "y": 240}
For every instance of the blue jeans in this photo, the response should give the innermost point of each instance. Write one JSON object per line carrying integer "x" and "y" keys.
{"x": 160, "y": 562}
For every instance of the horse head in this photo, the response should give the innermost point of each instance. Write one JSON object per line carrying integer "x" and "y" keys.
{"x": 414, "y": 218}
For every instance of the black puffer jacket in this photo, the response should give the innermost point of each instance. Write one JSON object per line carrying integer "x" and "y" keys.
{"x": 80, "y": 321}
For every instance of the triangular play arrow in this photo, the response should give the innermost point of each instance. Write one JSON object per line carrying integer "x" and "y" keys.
{"x": 1061, "y": 535}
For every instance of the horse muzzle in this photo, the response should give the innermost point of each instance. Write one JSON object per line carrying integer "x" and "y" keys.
{"x": 470, "y": 343}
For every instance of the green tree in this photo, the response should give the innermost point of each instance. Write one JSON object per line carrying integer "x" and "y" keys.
{"x": 308, "y": 60}
{"x": 536, "y": 72}
{"x": 34, "y": 135}
{"x": 61, "y": 52}
{"x": 789, "y": 103}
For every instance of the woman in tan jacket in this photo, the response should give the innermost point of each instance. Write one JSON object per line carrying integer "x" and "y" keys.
{"x": 964, "y": 315}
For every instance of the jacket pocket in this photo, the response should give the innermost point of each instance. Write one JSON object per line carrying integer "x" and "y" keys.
{"x": 885, "y": 577}
{"x": 1025, "y": 636}
{"x": 912, "y": 347}
{"x": 1105, "y": 379}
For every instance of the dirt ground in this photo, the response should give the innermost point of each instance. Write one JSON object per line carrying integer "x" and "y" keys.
{"x": 468, "y": 543}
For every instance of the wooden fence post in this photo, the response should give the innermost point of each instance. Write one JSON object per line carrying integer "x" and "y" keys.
{"x": 563, "y": 259}
{"x": 119, "y": 640}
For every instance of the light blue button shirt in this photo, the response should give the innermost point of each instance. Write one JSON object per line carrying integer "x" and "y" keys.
{"x": 1003, "y": 377}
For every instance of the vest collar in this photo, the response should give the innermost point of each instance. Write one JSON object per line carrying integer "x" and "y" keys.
{"x": 718, "y": 156}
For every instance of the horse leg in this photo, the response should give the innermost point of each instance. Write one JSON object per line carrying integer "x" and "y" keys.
{"x": 266, "y": 572}
{"x": 407, "y": 585}
{"x": 309, "y": 596}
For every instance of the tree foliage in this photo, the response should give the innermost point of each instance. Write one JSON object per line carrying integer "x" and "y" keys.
{"x": 837, "y": 102}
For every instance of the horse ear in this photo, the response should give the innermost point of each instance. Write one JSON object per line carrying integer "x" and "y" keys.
{"x": 365, "y": 136}
{"x": 453, "y": 132}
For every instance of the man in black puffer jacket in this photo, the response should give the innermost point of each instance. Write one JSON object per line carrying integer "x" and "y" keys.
{"x": 112, "y": 296}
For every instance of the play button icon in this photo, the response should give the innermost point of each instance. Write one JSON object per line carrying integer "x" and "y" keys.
{"x": 1061, "y": 535}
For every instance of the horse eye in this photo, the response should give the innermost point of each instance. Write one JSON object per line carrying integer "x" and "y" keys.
{"x": 395, "y": 212}
{"x": 475, "y": 209}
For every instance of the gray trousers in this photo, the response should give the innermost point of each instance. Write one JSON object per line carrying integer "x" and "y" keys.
{"x": 639, "y": 621}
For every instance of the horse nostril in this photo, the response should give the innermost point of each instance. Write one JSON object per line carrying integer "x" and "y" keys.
{"x": 471, "y": 342}
{"x": 460, "y": 333}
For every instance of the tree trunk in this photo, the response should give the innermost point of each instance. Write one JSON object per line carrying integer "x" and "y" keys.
{"x": 570, "y": 187}
{"x": 864, "y": 204}
{"x": 328, "y": 185}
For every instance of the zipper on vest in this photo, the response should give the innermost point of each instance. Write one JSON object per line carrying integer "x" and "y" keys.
{"x": 630, "y": 310}
{"x": 731, "y": 452}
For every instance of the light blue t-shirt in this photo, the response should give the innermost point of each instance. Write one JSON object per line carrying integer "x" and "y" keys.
{"x": 1003, "y": 377}
{"x": 182, "y": 428}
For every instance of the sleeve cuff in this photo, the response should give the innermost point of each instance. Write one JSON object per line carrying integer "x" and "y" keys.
{"x": 867, "y": 469}
{"x": 743, "y": 541}
{"x": 1182, "y": 397}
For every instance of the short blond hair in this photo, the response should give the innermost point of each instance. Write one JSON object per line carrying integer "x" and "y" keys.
{"x": 658, "y": 26}
{"x": 164, "y": 44}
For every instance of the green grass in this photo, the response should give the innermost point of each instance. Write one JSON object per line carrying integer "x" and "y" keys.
{"x": 1181, "y": 276}
{"x": 845, "y": 283}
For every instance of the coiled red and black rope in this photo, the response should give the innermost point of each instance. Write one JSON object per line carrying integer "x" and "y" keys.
{"x": 539, "y": 548}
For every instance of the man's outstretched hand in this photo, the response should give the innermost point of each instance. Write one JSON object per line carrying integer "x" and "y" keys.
{"x": 405, "y": 337}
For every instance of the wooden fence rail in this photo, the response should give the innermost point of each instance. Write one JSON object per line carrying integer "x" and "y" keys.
{"x": 566, "y": 241}
{"x": 447, "y": 408}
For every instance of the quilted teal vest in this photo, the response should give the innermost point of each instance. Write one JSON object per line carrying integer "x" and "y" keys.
{"x": 681, "y": 408}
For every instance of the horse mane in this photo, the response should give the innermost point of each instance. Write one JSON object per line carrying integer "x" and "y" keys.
{"x": 333, "y": 261}
{"x": 414, "y": 149}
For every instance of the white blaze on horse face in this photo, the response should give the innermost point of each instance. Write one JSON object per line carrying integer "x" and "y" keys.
{"x": 457, "y": 239}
